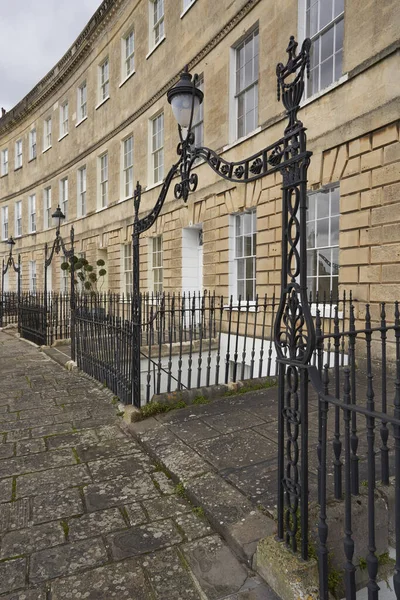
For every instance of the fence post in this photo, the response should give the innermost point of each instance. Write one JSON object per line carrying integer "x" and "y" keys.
{"x": 45, "y": 295}
{"x": 2, "y": 294}
{"x": 19, "y": 293}
{"x": 72, "y": 296}
{"x": 136, "y": 301}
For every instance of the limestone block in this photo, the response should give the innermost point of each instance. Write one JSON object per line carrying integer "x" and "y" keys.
{"x": 384, "y": 136}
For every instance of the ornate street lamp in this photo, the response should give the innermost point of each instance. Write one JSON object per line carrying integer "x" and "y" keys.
{"x": 10, "y": 262}
{"x": 58, "y": 245}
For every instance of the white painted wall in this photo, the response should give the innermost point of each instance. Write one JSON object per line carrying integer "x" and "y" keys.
{"x": 192, "y": 260}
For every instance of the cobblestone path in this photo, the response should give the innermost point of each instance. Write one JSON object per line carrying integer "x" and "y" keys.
{"x": 84, "y": 513}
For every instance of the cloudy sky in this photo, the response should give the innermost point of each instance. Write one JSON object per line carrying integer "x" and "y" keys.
{"x": 34, "y": 35}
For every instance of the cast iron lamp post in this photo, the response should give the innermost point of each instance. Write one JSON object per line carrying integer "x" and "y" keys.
{"x": 10, "y": 262}
{"x": 58, "y": 245}
{"x": 294, "y": 331}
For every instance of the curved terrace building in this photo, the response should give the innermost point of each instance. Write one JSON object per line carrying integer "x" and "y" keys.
{"x": 99, "y": 121}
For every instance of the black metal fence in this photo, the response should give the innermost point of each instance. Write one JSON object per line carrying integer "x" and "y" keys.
{"x": 350, "y": 431}
{"x": 44, "y": 318}
{"x": 8, "y": 308}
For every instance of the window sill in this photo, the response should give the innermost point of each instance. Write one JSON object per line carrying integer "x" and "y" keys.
{"x": 81, "y": 121}
{"x": 63, "y": 136}
{"x": 4, "y": 175}
{"x": 155, "y": 47}
{"x": 154, "y": 185}
{"x": 326, "y": 312}
{"x": 45, "y": 150}
{"x": 101, "y": 209}
{"x": 32, "y": 159}
{"x": 251, "y": 306}
{"x": 187, "y": 9}
{"x": 125, "y": 199}
{"x": 326, "y": 90}
{"x": 17, "y": 168}
{"x": 242, "y": 139}
{"x": 126, "y": 78}
{"x": 102, "y": 102}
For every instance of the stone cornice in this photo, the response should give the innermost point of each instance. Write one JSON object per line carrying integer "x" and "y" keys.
{"x": 161, "y": 92}
{"x": 55, "y": 78}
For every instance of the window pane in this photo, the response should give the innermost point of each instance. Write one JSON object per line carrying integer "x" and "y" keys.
{"x": 249, "y": 289}
{"x": 335, "y": 261}
{"x": 325, "y": 12}
{"x": 327, "y": 73}
{"x": 324, "y": 263}
{"x": 247, "y": 218}
{"x": 339, "y": 31}
{"x": 249, "y": 268}
{"x": 239, "y": 247}
{"x": 322, "y": 205}
{"x": 240, "y": 264}
{"x": 338, "y": 65}
{"x": 311, "y": 234}
{"x": 324, "y": 287}
{"x": 312, "y": 19}
{"x": 334, "y": 241}
{"x": 335, "y": 201}
{"x": 339, "y": 7}
{"x": 322, "y": 233}
{"x": 327, "y": 44}
{"x": 311, "y": 263}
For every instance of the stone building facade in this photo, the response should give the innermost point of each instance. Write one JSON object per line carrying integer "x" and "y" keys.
{"x": 99, "y": 121}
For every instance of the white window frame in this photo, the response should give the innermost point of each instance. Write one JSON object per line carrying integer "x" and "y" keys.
{"x": 18, "y": 154}
{"x": 4, "y": 162}
{"x": 47, "y": 134}
{"x": 64, "y": 278}
{"x": 156, "y": 25}
{"x": 128, "y": 55}
{"x": 127, "y": 168}
{"x": 47, "y": 220}
{"x": 104, "y": 80}
{"x": 64, "y": 119}
{"x": 156, "y": 266}
{"x": 303, "y": 32}
{"x": 32, "y": 144}
{"x": 198, "y": 123}
{"x": 32, "y": 276}
{"x": 63, "y": 197}
{"x": 103, "y": 168}
{"x": 18, "y": 218}
{"x": 156, "y": 151}
{"x": 81, "y": 194}
{"x": 235, "y": 132}
{"x": 4, "y": 222}
{"x": 237, "y": 253}
{"x": 81, "y": 108}
{"x": 329, "y": 190}
{"x": 126, "y": 270}
{"x": 32, "y": 213}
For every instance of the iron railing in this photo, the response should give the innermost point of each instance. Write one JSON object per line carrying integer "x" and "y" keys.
{"x": 353, "y": 460}
{"x": 8, "y": 309}
{"x": 44, "y": 318}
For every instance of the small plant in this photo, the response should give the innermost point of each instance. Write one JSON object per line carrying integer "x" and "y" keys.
{"x": 335, "y": 579}
{"x": 65, "y": 527}
{"x": 362, "y": 563}
{"x": 85, "y": 273}
{"x": 364, "y": 483}
{"x": 180, "y": 490}
{"x": 198, "y": 511}
{"x": 155, "y": 408}
{"x": 201, "y": 400}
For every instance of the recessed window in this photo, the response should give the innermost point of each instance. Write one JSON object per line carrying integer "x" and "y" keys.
{"x": 156, "y": 8}
{"x": 32, "y": 144}
{"x": 82, "y": 192}
{"x": 32, "y": 213}
{"x": 47, "y": 134}
{"x": 157, "y": 263}
{"x": 246, "y": 85}
{"x": 64, "y": 196}
{"x": 18, "y": 218}
{"x": 198, "y": 121}
{"x": 32, "y": 276}
{"x": 128, "y": 55}
{"x": 325, "y": 27}
{"x": 82, "y": 101}
{"x": 127, "y": 276}
{"x": 127, "y": 168}
{"x": 245, "y": 246}
{"x": 47, "y": 208}
{"x": 323, "y": 242}
{"x": 103, "y": 181}
{"x": 104, "y": 80}
{"x": 18, "y": 154}
{"x": 4, "y": 161}
{"x": 64, "y": 278}
{"x": 157, "y": 148}
{"x": 4, "y": 223}
{"x": 64, "y": 119}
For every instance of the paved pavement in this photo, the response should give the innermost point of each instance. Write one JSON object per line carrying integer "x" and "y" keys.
{"x": 84, "y": 512}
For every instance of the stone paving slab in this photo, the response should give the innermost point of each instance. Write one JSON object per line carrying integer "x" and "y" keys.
{"x": 84, "y": 510}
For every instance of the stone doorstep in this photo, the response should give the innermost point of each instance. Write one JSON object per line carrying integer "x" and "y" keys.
{"x": 241, "y": 532}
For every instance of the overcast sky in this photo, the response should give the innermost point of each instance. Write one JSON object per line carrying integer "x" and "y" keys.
{"x": 34, "y": 35}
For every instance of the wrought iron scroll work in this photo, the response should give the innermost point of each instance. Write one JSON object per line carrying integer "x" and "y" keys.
{"x": 59, "y": 245}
